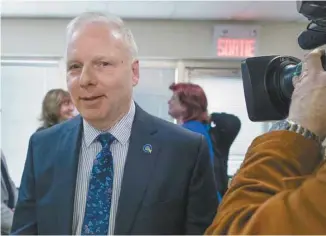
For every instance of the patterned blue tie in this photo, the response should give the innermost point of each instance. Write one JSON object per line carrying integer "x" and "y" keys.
{"x": 98, "y": 204}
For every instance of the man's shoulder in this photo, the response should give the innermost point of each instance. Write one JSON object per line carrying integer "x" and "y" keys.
{"x": 55, "y": 131}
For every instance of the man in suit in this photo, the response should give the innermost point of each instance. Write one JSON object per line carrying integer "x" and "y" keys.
{"x": 8, "y": 197}
{"x": 114, "y": 169}
{"x": 280, "y": 189}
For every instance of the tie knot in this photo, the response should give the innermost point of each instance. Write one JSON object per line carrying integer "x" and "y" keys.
{"x": 105, "y": 138}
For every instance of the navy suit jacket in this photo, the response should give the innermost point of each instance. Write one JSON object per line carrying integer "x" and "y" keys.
{"x": 168, "y": 191}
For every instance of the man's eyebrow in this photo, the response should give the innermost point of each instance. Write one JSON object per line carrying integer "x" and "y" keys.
{"x": 96, "y": 58}
{"x": 72, "y": 61}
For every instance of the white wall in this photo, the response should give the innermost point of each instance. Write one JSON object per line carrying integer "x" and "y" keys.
{"x": 170, "y": 39}
{"x": 24, "y": 85}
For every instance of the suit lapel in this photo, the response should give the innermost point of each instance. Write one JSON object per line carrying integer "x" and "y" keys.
{"x": 138, "y": 169}
{"x": 65, "y": 175}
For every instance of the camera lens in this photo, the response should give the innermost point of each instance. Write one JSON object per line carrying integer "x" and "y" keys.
{"x": 278, "y": 82}
{"x": 286, "y": 78}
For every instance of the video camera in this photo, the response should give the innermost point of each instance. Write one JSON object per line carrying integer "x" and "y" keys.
{"x": 267, "y": 80}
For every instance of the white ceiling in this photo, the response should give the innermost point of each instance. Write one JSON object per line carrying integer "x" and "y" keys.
{"x": 187, "y": 10}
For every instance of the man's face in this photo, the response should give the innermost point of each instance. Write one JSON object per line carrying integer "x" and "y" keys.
{"x": 100, "y": 72}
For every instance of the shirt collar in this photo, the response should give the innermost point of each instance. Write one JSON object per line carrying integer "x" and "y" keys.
{"x": 121, "y": 130}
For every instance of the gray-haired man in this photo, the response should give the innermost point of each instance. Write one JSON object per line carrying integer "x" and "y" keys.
{"x": 115, "y": 169}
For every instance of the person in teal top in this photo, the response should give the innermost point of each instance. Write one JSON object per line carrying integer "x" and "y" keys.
{"x": 188, "y": 105}
{"x": 201, "y": 128}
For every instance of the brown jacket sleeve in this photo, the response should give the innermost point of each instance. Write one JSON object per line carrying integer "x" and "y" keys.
{"x": 279, "y": 189}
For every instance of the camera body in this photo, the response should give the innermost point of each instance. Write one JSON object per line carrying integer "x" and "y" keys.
{"x": 267, "y": 80}
{"x": 263, "y": 91}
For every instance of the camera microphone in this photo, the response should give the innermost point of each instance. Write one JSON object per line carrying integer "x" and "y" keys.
{"x": 311, "y": 39}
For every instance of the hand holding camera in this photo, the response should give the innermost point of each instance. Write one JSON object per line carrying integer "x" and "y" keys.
{"x": 308, "y": 105}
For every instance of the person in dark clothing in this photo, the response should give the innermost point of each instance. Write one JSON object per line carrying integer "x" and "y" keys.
{"x": 224, "y": 130}
{"x": 56, "y": 107}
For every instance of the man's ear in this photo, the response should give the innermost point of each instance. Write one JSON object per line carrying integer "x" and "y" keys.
{"x": 135, "y": 72}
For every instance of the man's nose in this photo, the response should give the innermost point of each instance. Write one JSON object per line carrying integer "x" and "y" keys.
{"x": 87, "y": 77}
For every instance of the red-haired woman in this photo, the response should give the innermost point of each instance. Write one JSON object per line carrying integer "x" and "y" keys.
{"x": 188, "y": 105}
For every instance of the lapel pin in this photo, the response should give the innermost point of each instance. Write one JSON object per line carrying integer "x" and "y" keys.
{"x": 147, "y": 148}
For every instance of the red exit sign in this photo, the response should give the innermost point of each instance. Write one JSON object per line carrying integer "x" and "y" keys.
{"x": 236, "y": 47}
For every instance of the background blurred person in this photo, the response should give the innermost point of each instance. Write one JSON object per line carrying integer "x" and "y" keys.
{"x": 224, "y": 128}
{"x": 188, "y": 105}
{"x": 56, "y": 107}
{"x": 8, "y": 197}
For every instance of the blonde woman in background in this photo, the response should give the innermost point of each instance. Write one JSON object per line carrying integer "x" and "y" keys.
{"x": 56, "y": 107}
